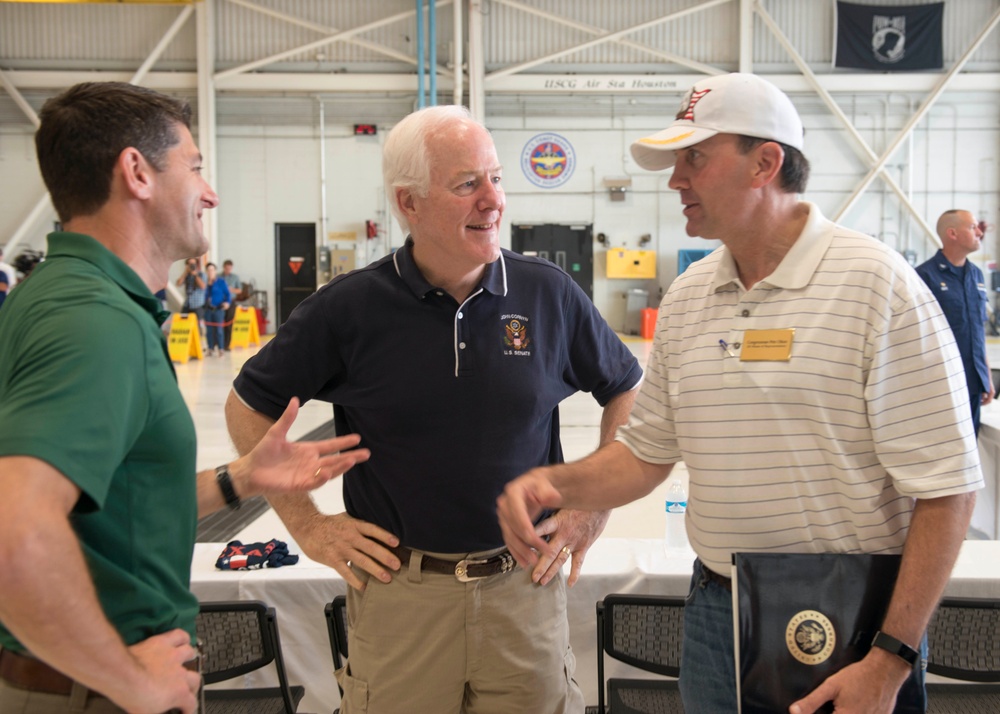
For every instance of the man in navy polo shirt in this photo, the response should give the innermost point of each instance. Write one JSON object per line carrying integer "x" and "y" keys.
{"x": 958, "y": 286}
{"x": 450, "y": 358}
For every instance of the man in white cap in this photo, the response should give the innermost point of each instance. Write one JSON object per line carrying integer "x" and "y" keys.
{"x": 809, "y": 381}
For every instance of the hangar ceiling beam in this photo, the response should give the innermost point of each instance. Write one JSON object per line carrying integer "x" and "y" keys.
{"x": 477, "y": 63}
{"x": 919, "y": 114}
{"x": 864, "y": 151}
{"x": 44, "y": 205}
{"x": 205, "y": 46}
{"x": 604, "y": 35}
{"x": 168, "y": 37}
{"x": 18, "y": 98}
{"x": 338, "y": 36}
{"x": 327, "y": 30}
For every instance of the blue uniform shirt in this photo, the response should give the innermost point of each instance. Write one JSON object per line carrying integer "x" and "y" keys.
{"x": 962, "y": 295}
{"x": 453, "y": 400}
{"x": 218, "y": 293}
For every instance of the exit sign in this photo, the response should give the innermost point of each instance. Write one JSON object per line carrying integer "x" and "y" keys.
{"x": 365, "y": 130}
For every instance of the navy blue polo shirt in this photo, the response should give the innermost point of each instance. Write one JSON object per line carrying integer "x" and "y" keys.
{"x": 453, "y": 400}
{"x": 962, "y": 295}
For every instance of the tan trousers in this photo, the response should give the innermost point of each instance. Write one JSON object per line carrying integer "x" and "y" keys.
{"x": 20, "y": 701}
{"x": 429, "y": 643}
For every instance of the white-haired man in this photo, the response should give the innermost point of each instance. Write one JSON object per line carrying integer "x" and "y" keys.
{"x": 807, "y": 379}
{"x": 450, "y": 358}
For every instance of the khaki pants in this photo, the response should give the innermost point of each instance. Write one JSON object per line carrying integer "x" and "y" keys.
{"x": 14, "y": 700}
{"x": 429, "y": 643}
{"x": 22, "y": 701}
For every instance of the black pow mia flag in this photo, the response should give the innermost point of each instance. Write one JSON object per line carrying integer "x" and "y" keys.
{"x": 889, "y": 38}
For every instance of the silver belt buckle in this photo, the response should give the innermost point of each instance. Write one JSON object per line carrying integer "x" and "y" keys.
{"x": 462, "y": 569}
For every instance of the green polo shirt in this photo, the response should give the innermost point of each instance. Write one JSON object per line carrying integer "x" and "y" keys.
{"x": 86, "y": 385}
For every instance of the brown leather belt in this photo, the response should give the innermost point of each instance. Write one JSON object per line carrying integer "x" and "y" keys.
{"x": 463, "y": 570}
{"x": 29, "y": 673}
{"x": 26, "y": 672}
{"x": 721, "y": 580}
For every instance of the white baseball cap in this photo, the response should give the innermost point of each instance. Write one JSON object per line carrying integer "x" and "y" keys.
{"x": 735, "y": 103}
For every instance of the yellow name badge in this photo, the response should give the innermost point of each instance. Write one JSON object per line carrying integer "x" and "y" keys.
{"x": 767, "y": 345}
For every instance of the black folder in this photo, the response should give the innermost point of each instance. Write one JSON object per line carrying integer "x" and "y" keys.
{"x": 800, "y": 617}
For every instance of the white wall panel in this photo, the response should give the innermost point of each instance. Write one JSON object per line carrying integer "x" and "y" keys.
{"x": 273, "y": 176}
{"x": 20, "y": 187}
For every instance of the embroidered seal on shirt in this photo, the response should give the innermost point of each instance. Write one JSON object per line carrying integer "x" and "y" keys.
{"x": 515, "y": 336}
{"x": 810, "y": 637}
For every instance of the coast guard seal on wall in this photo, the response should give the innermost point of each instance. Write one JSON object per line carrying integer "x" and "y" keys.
{"x": 548, "y": 160}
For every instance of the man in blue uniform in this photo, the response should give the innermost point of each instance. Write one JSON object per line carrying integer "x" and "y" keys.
{"x": 450, "y": 358}
{"x": 958, "y": 286}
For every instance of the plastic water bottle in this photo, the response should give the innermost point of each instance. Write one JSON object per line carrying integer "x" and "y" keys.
{"x": 675, "y": 540}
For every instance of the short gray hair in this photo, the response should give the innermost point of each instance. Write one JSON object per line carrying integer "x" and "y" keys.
{"x": 405, "y": 162}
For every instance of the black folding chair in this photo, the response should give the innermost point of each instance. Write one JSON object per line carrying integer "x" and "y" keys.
{"x": 646, "y": 632}
{"x": 336, "y": 627}
{"x": 963, "y": 643}
{"x": 238, "y": 637}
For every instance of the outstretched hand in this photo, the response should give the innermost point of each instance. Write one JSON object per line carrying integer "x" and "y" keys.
{"x": 521, "y": 502}
{"x": 570, "y": 535}
{"x": 277, "y": 465}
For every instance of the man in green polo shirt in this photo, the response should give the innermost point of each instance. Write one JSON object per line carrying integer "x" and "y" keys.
{"x": 97, "y": 447}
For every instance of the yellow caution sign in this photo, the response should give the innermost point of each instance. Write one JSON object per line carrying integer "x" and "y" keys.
{"x": 245, "y": 328}
{"x": 185, "y": 340}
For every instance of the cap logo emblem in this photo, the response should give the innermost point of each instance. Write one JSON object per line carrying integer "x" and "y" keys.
{"x": 687, "y": 112}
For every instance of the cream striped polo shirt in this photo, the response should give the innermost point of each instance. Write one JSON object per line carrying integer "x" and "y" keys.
{"x": 823, "y": 452}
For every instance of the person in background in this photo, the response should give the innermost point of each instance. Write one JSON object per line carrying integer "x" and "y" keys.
{"x": 97, "y": 448}
{"x": 193, "y": 280}
{"x": 236, "y": 289}
{"x": 808, "y": 380}
{"x": 450, "y": 357}
{"x": 26, "y": 262}
{"x": 958, "y": 285}
{"x": 161, "y": 295}
{"x": 6, "y": 280}
{"x": 217, "y": 302}
{"x": 9, "y": 277}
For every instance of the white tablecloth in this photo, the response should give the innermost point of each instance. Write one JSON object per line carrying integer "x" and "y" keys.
{"x": 632, "y": 565}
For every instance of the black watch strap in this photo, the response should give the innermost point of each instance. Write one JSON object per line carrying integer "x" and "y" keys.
{"x": 900, "y": 649}
{"x": 225, "y": 482}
